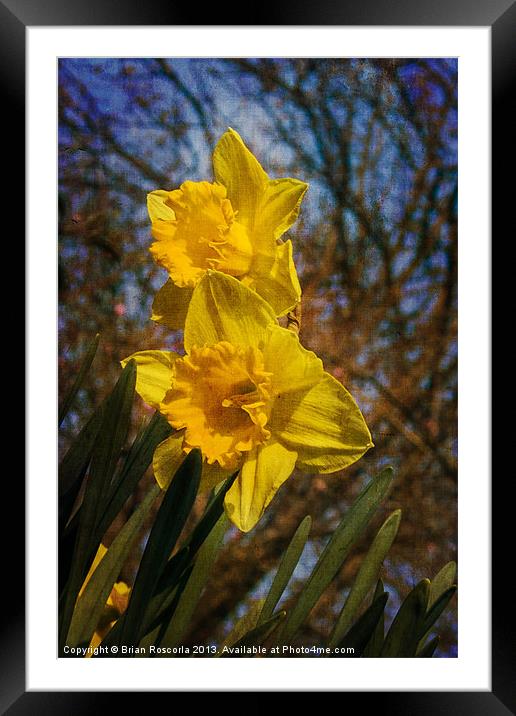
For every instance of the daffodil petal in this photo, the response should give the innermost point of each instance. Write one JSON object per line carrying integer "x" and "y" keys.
{"x": 276, "y": 280}
{"x": 119, "y": 597}
{"x": 157, "y": 207}
{"x": 168, "y": 456}
{"x": 279, "y": 206}
{"x": 223, "y": 309}
{"x": 323, "y": 424}
{"x": 263, "y": 472}
{"x": 241, "y": 173}
{"x": 293, "y": 367}
{"x": 170, "y": 305}
{"x": 153, "y": 374}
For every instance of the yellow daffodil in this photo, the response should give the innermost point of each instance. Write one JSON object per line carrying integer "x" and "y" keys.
{"x": 233, "y": 225}
{"x": 115, "y": 605}
{"x": 250, "y": 397}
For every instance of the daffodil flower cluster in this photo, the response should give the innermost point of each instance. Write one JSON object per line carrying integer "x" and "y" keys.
{"x": 233, "y": 225}
{"x": 246, "y": 392}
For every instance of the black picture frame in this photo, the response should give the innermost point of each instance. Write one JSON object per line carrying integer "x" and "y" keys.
{"x": 500, "y": 16}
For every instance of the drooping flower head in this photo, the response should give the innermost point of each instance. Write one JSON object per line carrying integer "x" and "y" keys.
{"x": 233, "y": 225}
{"x": 250, "y": 397}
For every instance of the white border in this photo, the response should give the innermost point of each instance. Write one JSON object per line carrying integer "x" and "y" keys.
{"x": 471, "y": 670}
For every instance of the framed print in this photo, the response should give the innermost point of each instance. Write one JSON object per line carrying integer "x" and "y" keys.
{"x": 259, "y": 257}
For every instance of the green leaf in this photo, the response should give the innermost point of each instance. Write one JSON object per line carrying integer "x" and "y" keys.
{"x": 435, "y": 611}
{"x": 347, "y": 533}
{"x": 160, "y": 607}
{"x": 106, "y": 452}
{"x": 169, "y": 609}
{"x": 442, "y": 581}
{"x": 75, "y": 462}
{"x": 132, "y": 470}
{"x": 173, "y": 569}
{"x": 183, "y": 613}
{"x": 367, "y": 575}
{"x": 168, "y": 525}
{"x": 361, "y": 632}
{"x": 285, "y": 569}
{"x": 134, "y": 467}
{"x": 244, "y": 625}
{"x": 83, "y": 370}
{"x": 166, "y": 592}
{"x": 112, "y": 437}
{"x": 214, "y": 510}
{"x": 90, "y": 604}
{"x": 256, "y": 636}
{"x": 66, "y": 547}
{"x": 141, "y": 452}
{"x": 160, "y": 603}
{"x": 427, "y": 651}
{"x": 149, "y": 639}
{"x": 374, "y": 646}
{"x": 403, "y": 637}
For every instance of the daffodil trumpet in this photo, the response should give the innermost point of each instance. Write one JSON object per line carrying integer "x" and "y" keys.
{"x": 233, "y": 225}
{"x": 250, "y": 396}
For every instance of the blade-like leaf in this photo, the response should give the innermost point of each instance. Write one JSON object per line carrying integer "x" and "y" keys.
{"x": 141, "y": 452}
{"x": 442, "y": 581}
{"x": 374, "y": 646}
{"x": 67, "y": 530}
{"x": 83, "y": 370}
{"x": 167, "y": 527}
{"x": 149, "y": 631}
{"x": 336, "y": 551}
{"x": 244, "y": 625}
{"x": 405, "y": 632}
{"x": 160, "y": 603}
{"x": 435, "y": 611}
{"x": 211, "y": 516}
{"x": 75, "y": 462}
{"x": 285, "y": 569}
{"x": 91, "y": 603}
{"x": 173, "y": 569}
{"x": 427, "y": 651}
{"x": 362, "y": 631}
{"x": 106, "y": 452}
{"x": 206, "y": 556}
{"x": 254, "y": 637}
{"x": 68, "y": 517}
{"x": 367, "y": 575}
{"x": 167, "y": 613}
{"x": 159, "y": 610}
{"x": 112, "y": 436}
{"x": 133, "y": 469}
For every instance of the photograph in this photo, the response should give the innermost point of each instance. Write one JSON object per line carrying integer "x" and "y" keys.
{"x": 257, "y": 276}
{"x": 258, "y": 356}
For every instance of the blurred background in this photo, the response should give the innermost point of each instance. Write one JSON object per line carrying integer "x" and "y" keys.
{"x": 376, "y": 251}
